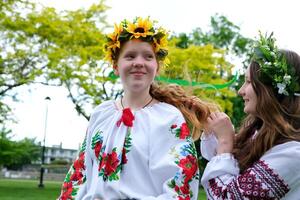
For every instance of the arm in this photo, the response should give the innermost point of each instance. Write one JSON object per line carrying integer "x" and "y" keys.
{"x": 271, "y": 177}
{"x": 208, "y": 145}
{"x": 173, "y": 163}
{"x": 75, "y": 183}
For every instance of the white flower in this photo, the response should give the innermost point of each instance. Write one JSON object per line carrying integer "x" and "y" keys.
{"x": 287, "y": 78}
{"x": 281, "y": 88}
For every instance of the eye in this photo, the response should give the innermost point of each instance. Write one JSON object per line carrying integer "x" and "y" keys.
{"x": 129, "y": 56}
{"x": 149, "y": 56}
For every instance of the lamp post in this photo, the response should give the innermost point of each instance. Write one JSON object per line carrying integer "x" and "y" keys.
{"x": 41, "y": 185}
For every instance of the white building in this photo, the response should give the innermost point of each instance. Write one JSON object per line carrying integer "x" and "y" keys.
{"x": 56, "y": 152}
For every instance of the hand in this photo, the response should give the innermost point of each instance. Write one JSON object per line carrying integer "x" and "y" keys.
{"x": 221, "y": 125}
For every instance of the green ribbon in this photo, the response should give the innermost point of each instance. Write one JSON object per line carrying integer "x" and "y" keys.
{"x": 207, "y": 86}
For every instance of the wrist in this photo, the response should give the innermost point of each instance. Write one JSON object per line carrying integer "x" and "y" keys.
{"x": 224, "y": 146}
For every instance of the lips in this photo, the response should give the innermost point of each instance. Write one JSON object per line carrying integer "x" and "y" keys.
{"x": 137, "y": 73}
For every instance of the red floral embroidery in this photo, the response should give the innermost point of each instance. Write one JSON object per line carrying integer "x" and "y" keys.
{"x": 97, "y": 142}
{"x": 102, "y": 162}
{"x": 184, "y": 131}
{"x": 79, "y": 163}
{"x": 187, "y": 161}
{"x": 189, "y": 166}
{"x": 97, "y": 149}
{"x": 75, "y": 176}
{"x": 67, "y": 191}
{"x": 185, "y": 189}
{"x": 127, "y": 118}
{"x": 111, "y": 163}
{"x": 124, "y": 158}
{"x": 173, "y": 126}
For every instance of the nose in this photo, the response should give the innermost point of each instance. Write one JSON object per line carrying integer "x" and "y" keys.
{"x": 138, "y": 62}
{"x": 241, "y": 91}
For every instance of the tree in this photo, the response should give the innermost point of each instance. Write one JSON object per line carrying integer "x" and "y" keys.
{"x": 201, "y": 64}
{"x": 46, "y": 47}
{"x": 15, "y": 154}
{"x": 223, "y": 34}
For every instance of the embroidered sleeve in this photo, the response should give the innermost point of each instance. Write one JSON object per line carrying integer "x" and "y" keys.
{"x": 76, "y": 179}
{"x": 174, "y": 163}
{"x": 272, "y": 177}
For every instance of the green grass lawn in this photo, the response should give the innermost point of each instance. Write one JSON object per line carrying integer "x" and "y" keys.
{"x": 11, "y": 189}
{"x": 28, "y": 190}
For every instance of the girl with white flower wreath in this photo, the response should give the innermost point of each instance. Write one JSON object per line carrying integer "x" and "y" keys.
{"x": 139, "y": 146}
{"x": 262, "y": 161}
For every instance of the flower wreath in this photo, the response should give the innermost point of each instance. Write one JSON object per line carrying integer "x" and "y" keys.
{"x": 142, "y": 29}
{"x": 274, "y": 67}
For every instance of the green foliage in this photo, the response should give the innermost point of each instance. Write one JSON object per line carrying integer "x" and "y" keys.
{"x": 223, "y": 34}
{"x": 15, "y": 154}
{"x": 66, "y": 49}
{"x": 54, "y": 48}
{"x": 201, "y": 64}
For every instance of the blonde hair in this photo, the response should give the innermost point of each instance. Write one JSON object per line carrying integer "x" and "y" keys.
{"x": 177, "y": 96}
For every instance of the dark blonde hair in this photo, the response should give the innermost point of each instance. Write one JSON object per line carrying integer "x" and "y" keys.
{"x": 177, "y": 96}
{"x": 277, "y": 120}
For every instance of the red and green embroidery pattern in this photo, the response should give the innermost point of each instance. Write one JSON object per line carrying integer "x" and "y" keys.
{"x": 187, "y": 161}
{"x": 111, "y": 164}
{"x": 181, "y": 132}
{"x": 97, "y": 142}
{"x": 75, "y": 177}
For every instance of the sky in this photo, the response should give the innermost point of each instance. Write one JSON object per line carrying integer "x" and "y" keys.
{"x": 64, "y": 126}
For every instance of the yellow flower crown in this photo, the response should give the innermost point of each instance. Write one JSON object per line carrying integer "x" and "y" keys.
{"x": 142, "y": 29}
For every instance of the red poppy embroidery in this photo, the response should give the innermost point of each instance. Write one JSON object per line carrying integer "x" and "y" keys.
{"x": 111, "y": 163}
{"x": 79, "y": 163}
{"x": 67, "y": 191}
{"x": 189, "y": 166}
{"x": 187, "y": 161}
{"x": 75, "y": 176}
{"x": 127, "y": 118}
{"x": 182, "y": 133}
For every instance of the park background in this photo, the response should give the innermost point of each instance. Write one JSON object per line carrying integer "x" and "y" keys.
{"x": 54, "y": 49}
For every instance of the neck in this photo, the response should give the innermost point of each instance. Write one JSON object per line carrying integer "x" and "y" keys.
{"x": 136, "y": 101}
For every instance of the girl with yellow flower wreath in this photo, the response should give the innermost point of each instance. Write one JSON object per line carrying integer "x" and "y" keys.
{"x": 139, "y": 146}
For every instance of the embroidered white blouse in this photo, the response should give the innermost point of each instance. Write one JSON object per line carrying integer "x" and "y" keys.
{"x": 147, "y": 154}
{"x": 275, "y": 176}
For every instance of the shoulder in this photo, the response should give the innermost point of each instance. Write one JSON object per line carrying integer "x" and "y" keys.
{"x": 288, "y": 149}
{"x": 284, "y": 160}
{"x": 106, "y": 108}
{"x": 284, "y": 157}
{"x": 110, "y": 104}
{"x": 166, "y": 109}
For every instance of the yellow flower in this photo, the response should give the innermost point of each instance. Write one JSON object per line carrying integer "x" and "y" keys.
{"x": 160, "y": 43}
{"x": 142, "y": 28}
{"x": 117, "y": 32}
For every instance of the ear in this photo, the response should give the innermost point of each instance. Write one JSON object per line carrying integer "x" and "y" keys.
{"x": 116, "y": 70}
